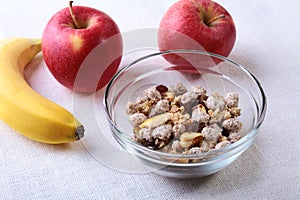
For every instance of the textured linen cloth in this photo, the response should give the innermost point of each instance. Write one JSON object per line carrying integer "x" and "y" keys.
{"x": 267, "y": 44}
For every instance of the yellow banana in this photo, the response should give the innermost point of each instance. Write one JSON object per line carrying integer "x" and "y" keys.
{"x": 21, "y": 107}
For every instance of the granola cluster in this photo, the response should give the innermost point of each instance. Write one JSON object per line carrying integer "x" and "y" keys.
{"x": 176, "y": 120}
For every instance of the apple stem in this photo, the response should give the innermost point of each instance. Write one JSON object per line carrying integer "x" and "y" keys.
{"x": 72, "y": 15}
{"x": 214, "y": 19}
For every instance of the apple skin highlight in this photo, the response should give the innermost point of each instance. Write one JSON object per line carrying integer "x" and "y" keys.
{"x": 66, "y": 48}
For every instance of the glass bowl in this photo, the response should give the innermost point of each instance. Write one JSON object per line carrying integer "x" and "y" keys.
{"x": 190, "y": 67}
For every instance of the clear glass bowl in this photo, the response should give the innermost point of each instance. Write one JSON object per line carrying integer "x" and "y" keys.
{"x": 190, "y": 67}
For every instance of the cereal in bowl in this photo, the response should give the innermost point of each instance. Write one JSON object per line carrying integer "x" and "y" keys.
{"x": 177, "y": 120}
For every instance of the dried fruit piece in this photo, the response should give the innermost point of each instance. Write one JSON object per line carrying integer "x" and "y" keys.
{"x": 162, "y": 89}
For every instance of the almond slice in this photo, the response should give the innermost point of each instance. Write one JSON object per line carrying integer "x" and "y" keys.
{"x": 156, "y": 121}
{"x": 188, "y": 136}
{"x": 188, "y": 139}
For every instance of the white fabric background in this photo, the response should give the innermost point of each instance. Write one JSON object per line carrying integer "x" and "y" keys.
{"x": 267, "y": 44}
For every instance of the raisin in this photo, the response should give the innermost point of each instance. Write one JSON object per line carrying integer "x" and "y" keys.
{"x": 225, "y": 132}
{"x": 162, "y": 89}
{"x": 200, "y": 127}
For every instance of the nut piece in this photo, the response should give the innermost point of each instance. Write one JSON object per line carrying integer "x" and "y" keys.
{"x": 188, "y": 136}
{"x": 156, "y": 121}
{"x": 235, "y": 112}
{"x": 188, "y": 139}
{"x": 227, "y": 114}
{"x": 169, "y": 96}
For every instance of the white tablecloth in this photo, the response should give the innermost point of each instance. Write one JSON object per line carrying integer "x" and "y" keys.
{"x": 267, "y": 44}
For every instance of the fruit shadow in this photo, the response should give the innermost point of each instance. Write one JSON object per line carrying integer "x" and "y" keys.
{"x": 72, "y": 146}
{"x": 244, "y": 172}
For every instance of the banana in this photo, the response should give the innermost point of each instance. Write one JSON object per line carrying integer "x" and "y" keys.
{"x": 23, "y": 109}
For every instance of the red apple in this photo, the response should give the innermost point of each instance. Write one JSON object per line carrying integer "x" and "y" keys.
{"x": 196, "y": 24}
{"x": 82, "y": 48}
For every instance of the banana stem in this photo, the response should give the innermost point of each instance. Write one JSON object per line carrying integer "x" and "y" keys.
{"x": 79, "y": 132}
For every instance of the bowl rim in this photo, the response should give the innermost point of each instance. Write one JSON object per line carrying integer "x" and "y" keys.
{"x": 212, "y": 154}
